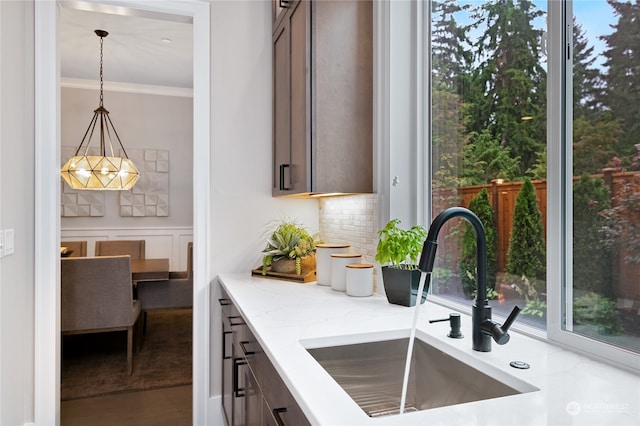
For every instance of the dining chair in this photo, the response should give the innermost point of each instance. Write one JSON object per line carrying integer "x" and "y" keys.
{"x": 174, "y": 293}
{"x": 134, "y": 248}
{"x": 77, "y": 248}
{"x": 97, "y": 297}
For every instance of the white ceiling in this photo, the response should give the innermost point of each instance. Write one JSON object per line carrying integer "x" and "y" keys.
{"x": 133, "y": 52}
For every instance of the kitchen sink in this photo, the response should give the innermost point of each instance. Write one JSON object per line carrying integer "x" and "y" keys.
{"x": 371, "y": 373}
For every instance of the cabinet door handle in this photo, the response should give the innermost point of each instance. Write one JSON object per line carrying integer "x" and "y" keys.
{"x": 224, "y": 344}
{"x": 277, "y": 416}
{"x": 284, "y": 187}
{"x": 224, "y": 302}
{"x": 284, "y": 3}
{"x": 237, "y": 390}
{"x": 237, "y": 322}
{"x": 244, "y": 348}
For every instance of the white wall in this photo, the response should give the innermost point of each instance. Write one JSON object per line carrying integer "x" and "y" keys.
{"x": 403, "y": 155}
{"x": 17, "y": 211}
{"x": 241, "y": 202}
{"x": 143, "y": 121}
{"x": 241, "y": 148}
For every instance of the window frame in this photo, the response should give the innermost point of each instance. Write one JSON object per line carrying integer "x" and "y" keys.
{"x": 559, "y": 182}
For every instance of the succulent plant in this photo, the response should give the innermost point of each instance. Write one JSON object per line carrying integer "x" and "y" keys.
{"x": 288, "y": 241}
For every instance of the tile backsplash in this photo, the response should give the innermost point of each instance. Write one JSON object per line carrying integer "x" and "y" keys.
{"x": 351, "y": 219}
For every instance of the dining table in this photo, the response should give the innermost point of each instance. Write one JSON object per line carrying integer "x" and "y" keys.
{"x": 149, "y": 270}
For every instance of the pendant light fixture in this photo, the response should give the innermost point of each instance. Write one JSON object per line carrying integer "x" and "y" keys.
{"x": 102, "y": 171}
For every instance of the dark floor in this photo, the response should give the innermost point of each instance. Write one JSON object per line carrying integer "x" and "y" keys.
{"x": 168, "y": 406}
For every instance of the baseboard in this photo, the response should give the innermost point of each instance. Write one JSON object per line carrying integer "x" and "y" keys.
{"x": 214, "y": 411}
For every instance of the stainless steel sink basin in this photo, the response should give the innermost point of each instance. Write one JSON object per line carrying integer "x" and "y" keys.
{"x": 371, "y": 373}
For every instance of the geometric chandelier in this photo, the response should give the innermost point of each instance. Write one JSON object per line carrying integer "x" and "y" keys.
{"x": 100, "y": 172}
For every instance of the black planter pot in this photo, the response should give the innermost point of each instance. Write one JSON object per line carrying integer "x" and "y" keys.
{"x": 401, "y": 285}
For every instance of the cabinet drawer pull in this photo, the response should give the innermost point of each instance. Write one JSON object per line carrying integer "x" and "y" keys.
{"x": 224, "y": 302}
{"x": 276, "y": 415}
{"x": 237, "y": 321}
{"x": 284, "y": 3}
{"x": 224, "y": 344}
{"x": 244, "y": 349}
{"x": 284, "y": 187}
{"x": 237, "y": 390}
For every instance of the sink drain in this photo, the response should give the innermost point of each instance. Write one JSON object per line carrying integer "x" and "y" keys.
{"x": 519, "y": 364}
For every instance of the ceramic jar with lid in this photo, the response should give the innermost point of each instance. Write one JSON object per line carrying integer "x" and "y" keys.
{"x": 339, "y": 261}
{"x": 323, "y": 260}
{"x": 359, "y": 279}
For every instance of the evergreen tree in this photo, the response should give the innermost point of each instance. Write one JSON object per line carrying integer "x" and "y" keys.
{"x": 622, "y": 80}
{"x": 481, "y": 206}
{"x": 450, "y": 61}
{"x": 485, "y": 160}
{"x": 527, "y": 252}
{"x": 586, "y": 78}
{"x": 450, "y": 53}
{"x": 539, "y": 170}
{"x": 591, "y": 257}
{"x": 593, "y": 144}
{"x": 508, "y": 87}
{"x": 448, "y": 141}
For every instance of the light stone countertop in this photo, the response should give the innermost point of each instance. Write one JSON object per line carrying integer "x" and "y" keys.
{"x": 284, "y": 316}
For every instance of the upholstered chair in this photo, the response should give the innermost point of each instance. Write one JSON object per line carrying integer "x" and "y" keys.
{"x": 134, "y": 248}
{"x": 174, "y": 293}
{"x": 97, "y": 296}
{"x": 77, "y": 248}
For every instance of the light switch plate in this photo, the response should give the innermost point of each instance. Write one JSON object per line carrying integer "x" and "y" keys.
{"x": 8, "y": 242}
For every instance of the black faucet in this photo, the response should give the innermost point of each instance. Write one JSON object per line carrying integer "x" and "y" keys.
{"x": 483, "y": 327}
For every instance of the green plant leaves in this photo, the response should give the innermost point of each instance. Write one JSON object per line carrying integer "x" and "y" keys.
{"x": 399, "y": 246}
{"x": 288, "y": 240}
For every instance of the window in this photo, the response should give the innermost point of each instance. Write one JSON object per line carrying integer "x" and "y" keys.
{"x": 488, "y": 139}
{"x": 535, "y": 129}
{"x": 603, "y": 294}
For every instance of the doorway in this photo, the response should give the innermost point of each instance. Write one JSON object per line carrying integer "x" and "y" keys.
{"x": 47, "y": 380}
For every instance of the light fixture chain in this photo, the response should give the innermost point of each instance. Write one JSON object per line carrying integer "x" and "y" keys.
{"x": 101, "y": 97}
{"x": 102, "y": 171}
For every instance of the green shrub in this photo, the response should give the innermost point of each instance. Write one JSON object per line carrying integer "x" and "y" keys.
{"x": 527, "y": 252}
{"x": 594, "y": 309}
{"x": 482, "y": 208}
{"x": 534, "y": 302}
{"x": 592, "y": 257}
{"x": 624, "y": 231}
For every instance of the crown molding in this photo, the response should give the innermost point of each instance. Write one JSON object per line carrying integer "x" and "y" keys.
{"x": 112, "y": 86}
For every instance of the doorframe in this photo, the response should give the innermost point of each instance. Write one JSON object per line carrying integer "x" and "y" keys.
{"x": 47, "y": 202}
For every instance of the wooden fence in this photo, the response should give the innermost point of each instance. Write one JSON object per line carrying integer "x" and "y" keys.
{"x": 503, "y": 197}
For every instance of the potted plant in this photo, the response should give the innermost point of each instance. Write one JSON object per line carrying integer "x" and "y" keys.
{"x": 290, "y": 249}
{"x": 400, "y": 249}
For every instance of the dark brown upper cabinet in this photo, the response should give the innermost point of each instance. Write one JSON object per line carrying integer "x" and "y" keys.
{"x": 323, "y": 98}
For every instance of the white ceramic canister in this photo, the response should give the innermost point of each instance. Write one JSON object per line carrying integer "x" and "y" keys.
{"x": 339, "y": 261}
{"x": 323, "y": 260}
{"x": 359, "y": 278}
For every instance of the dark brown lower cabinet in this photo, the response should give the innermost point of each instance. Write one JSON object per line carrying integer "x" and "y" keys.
{"x": 227, "y": 362}
{"x": 253, "y": 400}
{"x": 253, "y": 393}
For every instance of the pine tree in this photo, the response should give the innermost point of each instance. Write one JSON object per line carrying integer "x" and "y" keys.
{"x": 622, "y": 80}
{"x": 591, "y": 257}
{"x": 450, "y": 62}
{"x": 450, "y": 55}
{"x": 527, "y": 252}
{"x": 586, "y": 78}
{"x": 485, "y": 160}
{"x": 593, "y": 144}
{"x": 481, "y": 206}
{"x": 509, "y": 84}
